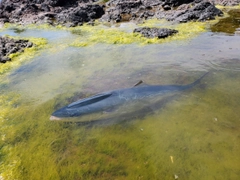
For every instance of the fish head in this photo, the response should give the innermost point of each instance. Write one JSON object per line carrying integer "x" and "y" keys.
{"x": 55, "y": 118}
{"x": 63, "y": 113}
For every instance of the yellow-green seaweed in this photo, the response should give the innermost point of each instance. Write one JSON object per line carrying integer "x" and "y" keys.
{"x": 100, "y": 33}
{"x": 227, "y": 7}
{"x": 111, "y": 35}
{"x": 18, "y": 58}
{"x": 182, "y": 139}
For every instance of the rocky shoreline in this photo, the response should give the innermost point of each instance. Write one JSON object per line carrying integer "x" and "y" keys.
{"x": 72, "y": 13}
{"x": 179, "y": 12}
{"x": 77, "y": 12}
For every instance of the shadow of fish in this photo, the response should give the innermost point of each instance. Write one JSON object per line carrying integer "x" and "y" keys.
{"x": 122, "y": 99}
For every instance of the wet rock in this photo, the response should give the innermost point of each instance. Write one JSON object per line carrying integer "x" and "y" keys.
{"x": 124, "y": 10}
{"x": 9, "y": 46}
{"x": 151, "y": 3}
{"x": 226, "y": 2}
{"x": 127, "y": 10}
{"x": 155, "y": 32}
{"x": 77, "y": 12}
{"x": 172, "y": 10}
{"x": 200, "y": 11}
{"x": 49, "y": 11}
{"x": 174, "y": 3}
{"x": 79, "y": 15}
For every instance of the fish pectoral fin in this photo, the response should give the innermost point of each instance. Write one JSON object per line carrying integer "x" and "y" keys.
{"x": 89, "y": 100}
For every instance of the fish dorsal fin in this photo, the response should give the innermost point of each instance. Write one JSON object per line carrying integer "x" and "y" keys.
{"x": 89, "y": 100}
{"x": 140, "y": 83}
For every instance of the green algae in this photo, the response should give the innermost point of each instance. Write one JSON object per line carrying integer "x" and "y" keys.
{"x": 105, "y": 33}
{"x": 224, "y": 8}
{"x": 187, "y": 138}
{"x": 18, "y": 58}
{"x": 90, "y": 35}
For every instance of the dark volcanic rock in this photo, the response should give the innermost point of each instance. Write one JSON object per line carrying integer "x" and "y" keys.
{"x": 79, "y": 15}
{"x": 155, "y": 32}
{"x": 49, "y": 11}
{"x": 201, "y": 11}
{"x": 125, "y": 10}
{"x": 76, "y": 12}
{"x": 226, "y": 2}
{"x": 9, "y": 46}
{"x": 174, "y": 3}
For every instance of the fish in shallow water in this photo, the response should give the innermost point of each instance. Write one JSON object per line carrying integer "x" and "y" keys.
{"x": 108, "y": 101}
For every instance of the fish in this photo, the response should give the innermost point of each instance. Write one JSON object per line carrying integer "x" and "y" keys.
{"x": 111, "y": 100}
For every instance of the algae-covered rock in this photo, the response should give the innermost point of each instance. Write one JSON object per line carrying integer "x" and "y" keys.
{"x": 9, "y": 46}
{"x": 155, "y": 32}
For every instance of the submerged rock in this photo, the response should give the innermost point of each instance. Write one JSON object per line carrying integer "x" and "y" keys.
{"x": 9, "y": 46}
{"x": 155, "y": 32}
{"x": 228, "y": 24}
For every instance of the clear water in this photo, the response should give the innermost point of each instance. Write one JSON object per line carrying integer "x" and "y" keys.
{"x": 194, "y": 135}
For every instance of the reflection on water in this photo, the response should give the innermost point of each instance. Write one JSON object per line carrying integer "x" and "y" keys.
{"x": 194, "y": 135}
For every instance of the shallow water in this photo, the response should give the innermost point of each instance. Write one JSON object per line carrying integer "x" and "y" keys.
{"x": 229, "y": 24}
{"x": 194, "y": 135}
